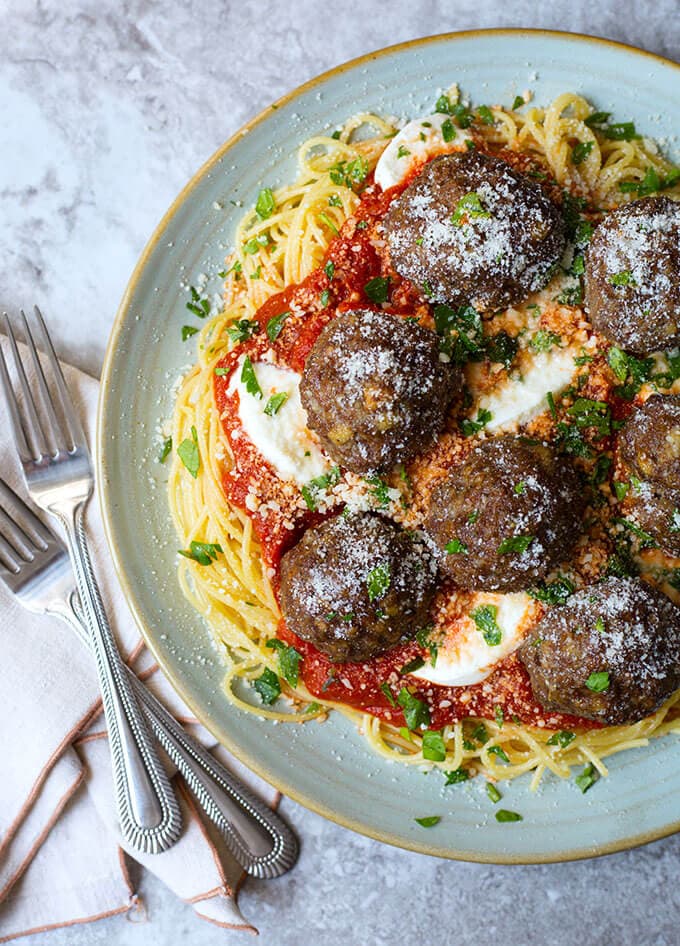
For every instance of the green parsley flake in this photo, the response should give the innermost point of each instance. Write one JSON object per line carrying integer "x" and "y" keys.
{"x": 402, "y": 152}
{"x": 503, "y": 815}
{"x": 485, "y": 618}
{"x": 433, "y": 745}
{"x": 266, "y": 204}
{"x": 324, "y": 218}
{"x": 456, "y": 776}
{"x": 587, "y": 778}
{"x": 412, "y": 666}
{"x": 416, "y": 713}
{"x": 387, "y": 693}
{"x": 349, "y": 173}
{"x": 203, "y": 553}
{"x": 518, "y": 103}
{"x": 377, "y": 289}
{"x": 429, "y": 822}
{"x": 275, "y": 403}
{"x": 598, "y": 681}
{"x": 199, "y": 306}
{"x": 544, "y": 340}
{"x": 448, "y": 130}
{"x": 275, "y": 324}
{"x": 378, "y": 582}
{"x": 329, "y": 269}
{"x": 166, "y": 449}
{"x": 500, "y": 752}
{"x": 255, "y": 244}
{"x": 289, "y": 660}
{"x": 249, "y": 378}
{"x": 268, "y": 687}
{"x": 515, "y": 544}
{"x": 470, "y": 427}
{"x": 189, "y": 455}
{"x": 563, "y": 738}
{"x": 242, "y": 330}
{"x": 624, "y": 278}
{"x": 554, "y": 592}
{"x": 456, "y": 547}
{"x": 469, "y": 207}
{"x": 493, "y": 793}
{"x": 581, "y": 151}
{"x": 188, "y": 331}
{"x": 485, "y": 115}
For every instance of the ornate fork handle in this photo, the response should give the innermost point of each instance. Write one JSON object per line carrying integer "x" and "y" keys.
{"x": 149, "y": 815}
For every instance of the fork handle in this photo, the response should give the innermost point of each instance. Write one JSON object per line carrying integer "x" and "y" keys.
{"x": 149, "y": 815}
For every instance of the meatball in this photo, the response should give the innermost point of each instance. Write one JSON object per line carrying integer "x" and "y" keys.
{"x": 649, "y": 443}
{"x": 375, "y": 390}
{"x": 356, "y": 586}
{"x": 611, "y": 653}
{"x": 471, "y": 229}
{"x": 656, "y": 511}
{"x": 632, "y": 265}
{"x": 506, "y": 516}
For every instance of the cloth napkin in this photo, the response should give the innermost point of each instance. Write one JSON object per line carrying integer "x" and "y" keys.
{"x": 62, "y": 860}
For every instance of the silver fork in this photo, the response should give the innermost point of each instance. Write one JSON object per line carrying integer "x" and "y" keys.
{"x": 35, "y": 566}
{"x": 58, "y": 472}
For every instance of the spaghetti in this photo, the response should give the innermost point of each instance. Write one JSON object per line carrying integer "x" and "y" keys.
{"x": 280, "y": 244}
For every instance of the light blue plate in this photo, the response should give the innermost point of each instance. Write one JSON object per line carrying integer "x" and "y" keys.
{"x": 327, "y": 767}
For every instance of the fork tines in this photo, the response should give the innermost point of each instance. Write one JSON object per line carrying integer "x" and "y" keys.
{"x": 22, "y": 534}
{"x": 39, "y": 433}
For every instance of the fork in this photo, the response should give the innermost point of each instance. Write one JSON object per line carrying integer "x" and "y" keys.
{"x": 35, "y": 566}
{"x": 58, "y": 471}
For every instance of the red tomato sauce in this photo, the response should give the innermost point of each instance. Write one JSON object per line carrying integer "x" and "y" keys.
{"x": 312, "y": 304}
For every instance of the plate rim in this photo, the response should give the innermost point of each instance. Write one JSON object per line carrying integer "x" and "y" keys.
{"x": 106, "y": 505}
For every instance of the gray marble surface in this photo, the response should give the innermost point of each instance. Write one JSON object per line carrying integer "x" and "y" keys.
{"x": 106, "y": 109}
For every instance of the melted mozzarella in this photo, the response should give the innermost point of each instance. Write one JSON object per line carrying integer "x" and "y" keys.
{"x": 284, "y": 439}
{"x": 521, "y": 398}
{"x": 417, "y": 141}
{"x": 464, "y": 658}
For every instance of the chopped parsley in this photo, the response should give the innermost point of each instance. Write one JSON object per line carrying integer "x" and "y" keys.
{"x": 515, "y": 544}
{"x": 520, "y": 488}
{"x": 377, "y": 289}
{"x": 266, "y": 204}
{"x": 412, "y": 666}
{"x": 563, "y": 738}
{"x": 597, "y": 118}
{"x": 268, "y": 686}
{"x": 415, "y": 711}
{"x": 470, "y": 427}
{"x": 310, "y": 491}
{"x": 460, "y": 112}
{"x": 620, "y": 131}
{"x": 485, "y": 115}
{"x": 242, "y": 330}
{"x": 587, "y": 778}
{"x": 166, "y": 449}
{"x": 461, "y": 332}
{"x": 518, "y": 102}
{"x": 249, "y": 378}
{"x": 485, "y": 618}
{"x": 329, "y": 269}
{"x": 402, "y": 152}
{"x": 188, "y": 331}
{"x": 544, "y": 340}
{"x": 275, "y": 324}
{"x": 380, "y": 491}
{"x": 589, "y": 413}
{"x": 480, "y": 734}
{"x": 349, "y": 173}
{"x": 555, "y": 592}
{"x": 199, "y": 306}
{"x": 598, "y": 681}
{"x": 429, "y": 822}
{"x": 188, "y": 453}
{"x": 651, "y": 183}
{"x": 493, "y": 793}
{"x": 503, "y": 815}
{"x": 433, "y": 745}
{"x": 624, "y": 278}
{"x": 324, "y": 218}
{"x": 387, "y": 693}
{"x": 501, "y": 348}
{"x": 645, "y": 540}
{"x": 203, "y": 553}
{"x": 469, "y": 207}
{"x": 275, "y": 403}
{"x": 456, "y": 547}
{"x": 448, "y": 130}
{"x": 456, "y": 776}
{"x": 254, "y": 244}
{"x": 289, "y": 660}
{"x": 378, "y": 582}
{"x": 324, "y": 298}
{"x": 581, "y": 151}
{"x": 425, "y": 641}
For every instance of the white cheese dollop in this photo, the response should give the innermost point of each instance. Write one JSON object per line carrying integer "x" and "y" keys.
{"x": 417, "y": 141}
{"x": 521, "y": 398}
{"x": 464, "y": 657}
{"x": 283, "y": 439}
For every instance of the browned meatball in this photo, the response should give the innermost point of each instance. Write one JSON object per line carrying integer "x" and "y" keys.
{"x": 507, "y": 515}
{"x": 611, "y": 653}
{"x": 649, "y": 443}
{"x": 632, "y": 266}
{"x": 656, "y": 510}
{"x": 375, "y": 389}
{"x": 356, "y": 586}
{"x": 471, "y": 229}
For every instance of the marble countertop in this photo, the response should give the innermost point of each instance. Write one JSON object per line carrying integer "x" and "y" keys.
{"x": 106, "y": 109}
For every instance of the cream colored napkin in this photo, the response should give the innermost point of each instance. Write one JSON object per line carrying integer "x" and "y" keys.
{"x": 61, "y": 860}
